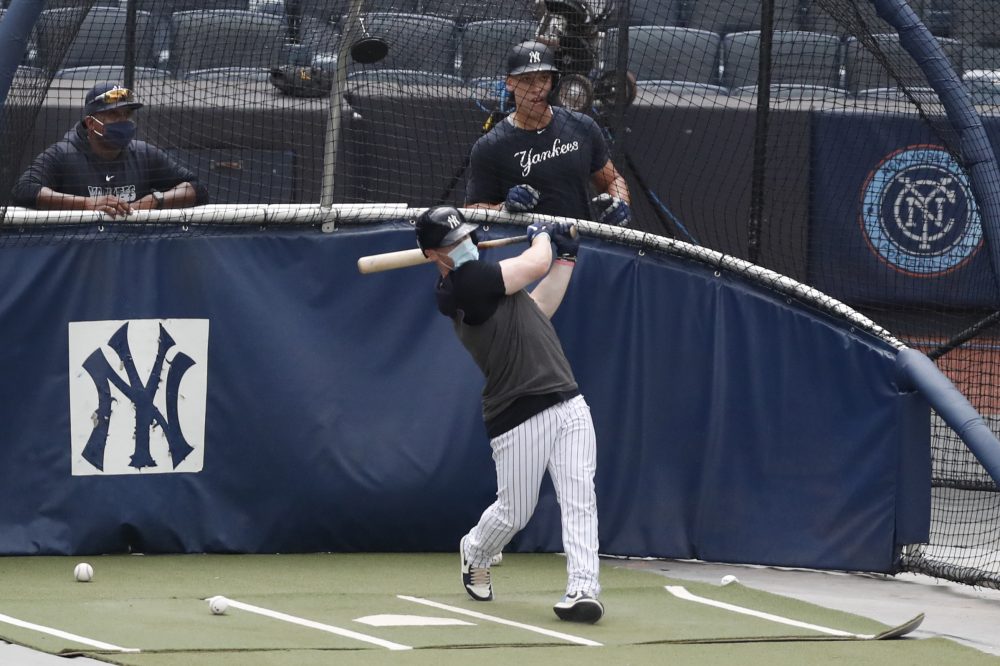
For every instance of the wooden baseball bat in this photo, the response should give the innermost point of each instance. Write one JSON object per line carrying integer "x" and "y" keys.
{"x": 388, "y": 261}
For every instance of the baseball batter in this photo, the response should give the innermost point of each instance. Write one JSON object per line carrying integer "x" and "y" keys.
{"x": 541, "y": 158}
{"x": 535, "y": 416}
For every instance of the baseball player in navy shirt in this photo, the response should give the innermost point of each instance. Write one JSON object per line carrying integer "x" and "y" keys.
{"x": 535, "y": 416}
{"x": 100, "y": 166}
{"x": 541, "y": 158}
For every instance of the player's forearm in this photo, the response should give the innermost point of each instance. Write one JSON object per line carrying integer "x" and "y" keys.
{"x": 549, "y": 293}
{"x": 619, "y": 188}
{"x": 49, "y": 199}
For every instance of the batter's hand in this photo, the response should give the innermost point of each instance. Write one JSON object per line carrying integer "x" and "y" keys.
{"x": 110, "y": 205}
{"x": 567, "y": 242}
{"x": 521, "y": 198}
{"x": 614, "y": 211}
{"x": 540, "y": 228}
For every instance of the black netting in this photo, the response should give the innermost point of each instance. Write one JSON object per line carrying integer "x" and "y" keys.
{"x": 832, "y": 163}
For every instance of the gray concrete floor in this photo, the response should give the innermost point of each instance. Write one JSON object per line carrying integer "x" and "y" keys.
{"x": 968, "y": 615}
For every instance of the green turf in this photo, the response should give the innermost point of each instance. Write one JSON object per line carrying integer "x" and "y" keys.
{"x": 155, "y": 603}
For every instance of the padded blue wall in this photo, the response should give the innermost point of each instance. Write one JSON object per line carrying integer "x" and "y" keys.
{"x": 341, "y": 414}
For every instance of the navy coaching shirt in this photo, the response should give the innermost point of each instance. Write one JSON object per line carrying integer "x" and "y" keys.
{"x": 557, "y": 160}
{"x": 71, "y": 167}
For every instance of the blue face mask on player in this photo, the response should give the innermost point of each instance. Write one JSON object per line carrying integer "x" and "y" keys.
{"x": 117, "y": 134}
{"x": 464, "y": 252}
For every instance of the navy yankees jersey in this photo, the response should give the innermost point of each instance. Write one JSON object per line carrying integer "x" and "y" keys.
{"x": 512, "y": 342}
{"x": 71, "y": 167}
{"x": 557, "y": 160}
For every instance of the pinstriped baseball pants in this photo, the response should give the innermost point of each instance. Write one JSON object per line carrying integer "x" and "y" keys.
{"x": 562, "y": 441}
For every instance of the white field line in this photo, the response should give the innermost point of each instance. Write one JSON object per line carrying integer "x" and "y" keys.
{"x": 499, "y": 620}
{"x": 347, "y": 633}
{"x": 682, "y": 593}
{"x": 101, "y": 645}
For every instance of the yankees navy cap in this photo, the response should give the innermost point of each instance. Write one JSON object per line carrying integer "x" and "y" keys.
{"x": 530, "y": 56}
{"x": 107, "y": 96}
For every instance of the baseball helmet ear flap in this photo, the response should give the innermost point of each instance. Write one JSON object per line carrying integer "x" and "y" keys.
{"x": 441, "y": 226}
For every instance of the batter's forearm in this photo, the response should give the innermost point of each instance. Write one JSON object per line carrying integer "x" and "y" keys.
{"x": 549, "y": 293}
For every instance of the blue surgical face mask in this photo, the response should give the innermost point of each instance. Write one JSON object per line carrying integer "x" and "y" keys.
{"x": 117, "y": 134}
{"x": 464, "y": 252}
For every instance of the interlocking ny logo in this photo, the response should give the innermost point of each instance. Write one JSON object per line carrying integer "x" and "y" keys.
{"x": 535, "y": 56}
{"x": 126, "y": 385}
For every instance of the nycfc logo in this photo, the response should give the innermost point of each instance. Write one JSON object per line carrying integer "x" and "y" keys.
{"x": 535, "y": 56}
{"x": 137, "y": 396}
{"x": 918, "y": 213}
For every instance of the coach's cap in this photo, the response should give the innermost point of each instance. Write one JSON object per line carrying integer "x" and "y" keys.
{"x": 107, "y": 96}
{"x": 531, "y": 56}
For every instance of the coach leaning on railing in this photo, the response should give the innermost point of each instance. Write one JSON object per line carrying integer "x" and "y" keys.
{"x": 99, "y": 166}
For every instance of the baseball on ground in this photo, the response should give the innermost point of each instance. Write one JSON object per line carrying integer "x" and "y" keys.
{"x": 726, "y": 580}
{"x": 218, "y": 605}
{"x": 83, "y": 572}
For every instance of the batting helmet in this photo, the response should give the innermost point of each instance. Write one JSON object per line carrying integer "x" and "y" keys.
{"x": 440, "y": 226}
{"x": 531, "y": 56}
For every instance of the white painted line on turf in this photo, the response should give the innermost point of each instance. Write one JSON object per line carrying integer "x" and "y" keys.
{"x": 101, "y": 645}
{"x": 682, "y": 593}
{"x": 412, "y": 621}
{"x": 347, "y": 633}
{"x": 499, "y": 620}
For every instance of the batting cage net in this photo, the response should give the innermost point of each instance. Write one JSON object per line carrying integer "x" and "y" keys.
{"x": 823, "y": 140}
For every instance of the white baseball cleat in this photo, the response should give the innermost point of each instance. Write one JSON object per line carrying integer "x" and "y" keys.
{"x": 579, "y": 607}
{"x": 475, "y": 579}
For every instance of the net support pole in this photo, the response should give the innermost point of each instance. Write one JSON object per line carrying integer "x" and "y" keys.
{"x": 756, "y": 220}
{"x": 129, "y": 68}
{"x": 917, "y": 372}
{"x": 334, "y": 127}
{"x": 977, "y": 152}
{"x": 15, "y": 28}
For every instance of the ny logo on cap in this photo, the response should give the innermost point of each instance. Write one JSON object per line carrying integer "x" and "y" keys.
{"x": 454, "y": 222}
{"x": 535, "y": 56}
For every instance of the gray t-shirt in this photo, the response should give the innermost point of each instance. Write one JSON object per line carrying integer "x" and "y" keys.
{"x": 509, "y": 338}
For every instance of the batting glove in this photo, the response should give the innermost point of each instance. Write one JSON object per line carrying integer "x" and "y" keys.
{"x": 614, "y": 211}
{"x": 539, "y": 228}
{"x": 521, "y": 198}
{"x": 566, "y": 240}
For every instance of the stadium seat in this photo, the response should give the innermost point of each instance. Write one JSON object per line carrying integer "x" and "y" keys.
{"x": 814, "y": 18}
{"x": 416, "y": 42}
{"x": 215, "y": 39}
{"x": 865, "y": 71}
{"x": 318, "y": 36}
{"x": 484, "y": 46}
{"x": 797, "y": 58}
{"x": 100, "y": 39}
{"x": 108, "y": 73}
{"x": 403, "y": 77}
{"x": 655, "y": 12}
{"x": 668, "y": 54}
{"x": 922, "y": 94}
{"x": 685, "y": 89}
{"x": 983, "y": 85}
{"x": 977, "y": 24}
{"x": 724, "y": 16}
{"x": 792, "y": 93}
{"x": 468, "y": 11}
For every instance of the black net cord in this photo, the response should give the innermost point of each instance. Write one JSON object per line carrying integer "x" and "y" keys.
{"x": 760, "y": 131}
{"x": 964, "y": 336}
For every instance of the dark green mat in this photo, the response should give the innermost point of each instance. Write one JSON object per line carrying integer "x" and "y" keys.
{"x": 156, "y": 604}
